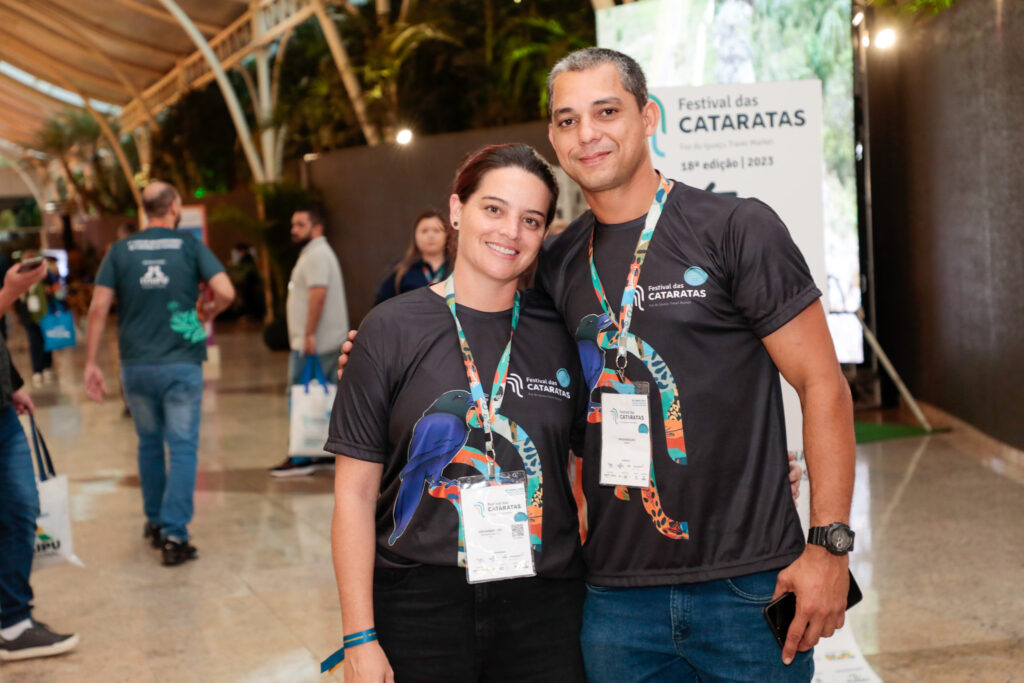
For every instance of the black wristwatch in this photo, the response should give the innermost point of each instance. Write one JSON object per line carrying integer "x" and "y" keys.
{"x": 836, "y": 537}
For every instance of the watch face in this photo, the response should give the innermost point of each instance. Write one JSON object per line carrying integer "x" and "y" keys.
{"x": 840, "y": 539}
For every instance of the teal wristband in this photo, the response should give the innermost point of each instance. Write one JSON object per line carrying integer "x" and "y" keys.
{"x": 351, "y": 640}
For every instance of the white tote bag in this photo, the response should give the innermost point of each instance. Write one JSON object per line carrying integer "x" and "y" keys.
{"x": 54, "y": 544}
{"x": 311, "y": 402}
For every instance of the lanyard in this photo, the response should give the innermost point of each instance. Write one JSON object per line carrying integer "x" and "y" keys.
{"x": 476, "y": 390}
{"x": 432, "y": 276}
{"x": 629, "y": 292}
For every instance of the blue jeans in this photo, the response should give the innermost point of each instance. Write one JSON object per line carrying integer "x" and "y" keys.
{"x": 165, "y": 401}
{"x": 711, "y": 631}
{"x": 19, "y": 509}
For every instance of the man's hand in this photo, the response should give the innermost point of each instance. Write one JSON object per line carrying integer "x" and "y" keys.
{"x": 205, "y": 309}
{"x": 309, "y": 346}
{"x": 23, "y": 402}
{"x": 95, "y": 385}
{"x": 821, "y": 582}
{"x": 17, "y": 282}
{"x": 796, "y": 473}
{"x": 346, "y": 349}
{"x": 367, "y": 663}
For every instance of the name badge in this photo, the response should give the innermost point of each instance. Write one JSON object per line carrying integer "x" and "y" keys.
{"x": 496, "y": 527}
{"x": 626, "y": 436}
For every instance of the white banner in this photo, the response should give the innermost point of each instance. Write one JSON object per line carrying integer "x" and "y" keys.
{"x": 759, "y": 140}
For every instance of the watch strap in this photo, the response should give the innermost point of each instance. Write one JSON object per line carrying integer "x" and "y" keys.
{"x": 817, "y": 535}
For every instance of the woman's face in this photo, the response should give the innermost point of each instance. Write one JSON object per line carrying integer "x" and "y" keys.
{"x": 430, "y": 237}
{"x": 501, "y": 225}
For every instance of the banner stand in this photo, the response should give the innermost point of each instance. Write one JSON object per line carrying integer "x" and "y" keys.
{"x": 891, "y": 371}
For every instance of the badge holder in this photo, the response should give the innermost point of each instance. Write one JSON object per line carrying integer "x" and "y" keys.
{"x": 626, "y": 435}
{"x": 496, "y": 525}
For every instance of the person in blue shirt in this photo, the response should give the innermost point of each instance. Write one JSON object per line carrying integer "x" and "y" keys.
{"x": 425, "y": 261}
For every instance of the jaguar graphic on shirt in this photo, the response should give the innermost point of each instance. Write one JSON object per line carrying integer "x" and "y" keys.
{"x": 595, "y": 335}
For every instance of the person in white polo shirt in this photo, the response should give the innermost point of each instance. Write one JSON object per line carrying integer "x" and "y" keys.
{"x": 317, "y": 317}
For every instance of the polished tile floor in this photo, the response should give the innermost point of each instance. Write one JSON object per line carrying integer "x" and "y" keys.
{"x": 940, "y": 546}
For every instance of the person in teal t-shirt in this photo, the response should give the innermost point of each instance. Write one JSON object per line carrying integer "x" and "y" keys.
{"x": 155, "y": 276}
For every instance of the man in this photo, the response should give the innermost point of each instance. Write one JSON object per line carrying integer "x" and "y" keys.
{"x": 155, "y": 275}
{"x": 317, "y": 318}
{"x": 21, "y": 636}
{"x": 680, "y": 569}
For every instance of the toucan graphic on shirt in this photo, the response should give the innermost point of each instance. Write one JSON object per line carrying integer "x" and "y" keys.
{"x": 439, "y": 440}
{"x": 437, "y": 437}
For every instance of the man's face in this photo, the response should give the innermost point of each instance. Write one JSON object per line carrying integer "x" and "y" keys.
{"x": 597, "y": 130}
{"x": 302, "y": 228}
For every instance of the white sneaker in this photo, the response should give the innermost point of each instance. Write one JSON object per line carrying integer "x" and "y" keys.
{"x": 37, "y": 379}
{"x": 48, "y": 375}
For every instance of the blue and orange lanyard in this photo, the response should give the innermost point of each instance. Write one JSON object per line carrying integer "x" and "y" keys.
{"x": 629, "y": 292}
{"x": 488, "y": 410}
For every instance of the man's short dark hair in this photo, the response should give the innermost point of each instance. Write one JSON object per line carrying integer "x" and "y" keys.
{"x": 315, "y": 213}
{"x": 160, "y": 203}
{"x": 630, "y": 73}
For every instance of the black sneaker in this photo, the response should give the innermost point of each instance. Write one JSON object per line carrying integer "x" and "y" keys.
{"x": 152, "y": 532}
{"x": 37, "y": 641}
{"x": 302, "y": 467}
{"x": 178, "y": 552}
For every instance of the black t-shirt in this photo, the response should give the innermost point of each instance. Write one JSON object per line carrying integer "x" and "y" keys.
{"x": 720, "y": 274}
{"x": 404, "y": 402}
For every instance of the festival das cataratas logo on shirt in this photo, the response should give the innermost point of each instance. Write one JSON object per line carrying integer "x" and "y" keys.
{"x": 541, "y": 387}
{"x": 692, "y": 287}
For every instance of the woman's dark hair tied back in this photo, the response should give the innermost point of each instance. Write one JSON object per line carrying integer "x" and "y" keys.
{"x": 477, "y": 164}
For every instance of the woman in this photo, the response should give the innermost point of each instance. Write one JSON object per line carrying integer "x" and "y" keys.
{"x": 411, "y": 417}
{"x": 425, "y": 261}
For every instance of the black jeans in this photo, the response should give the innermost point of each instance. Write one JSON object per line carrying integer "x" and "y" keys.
{"x": 434, "y": 626}
{"x": 41, "y": 359}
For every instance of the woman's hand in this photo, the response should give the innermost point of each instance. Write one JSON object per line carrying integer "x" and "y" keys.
{"x": 367, "y": 663}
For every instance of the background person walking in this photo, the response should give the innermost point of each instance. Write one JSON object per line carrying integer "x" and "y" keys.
{"x": 155, "y": 275}
{"x": 317, "y": 318}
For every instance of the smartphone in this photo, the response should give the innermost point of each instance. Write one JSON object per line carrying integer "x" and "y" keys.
{"x": 30, "y": 263}
{"x": 779, "y": 613}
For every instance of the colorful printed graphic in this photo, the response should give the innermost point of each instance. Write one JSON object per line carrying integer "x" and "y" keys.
{"x": 446, "y": 442}
{"x": 592, "y": 341}
{"x": 595, "y": 335}
{"x": 439, "y": 439}
{"x": 436, "y": 438}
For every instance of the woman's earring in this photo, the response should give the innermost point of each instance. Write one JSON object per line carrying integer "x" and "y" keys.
{"x": 455, "y": 224}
